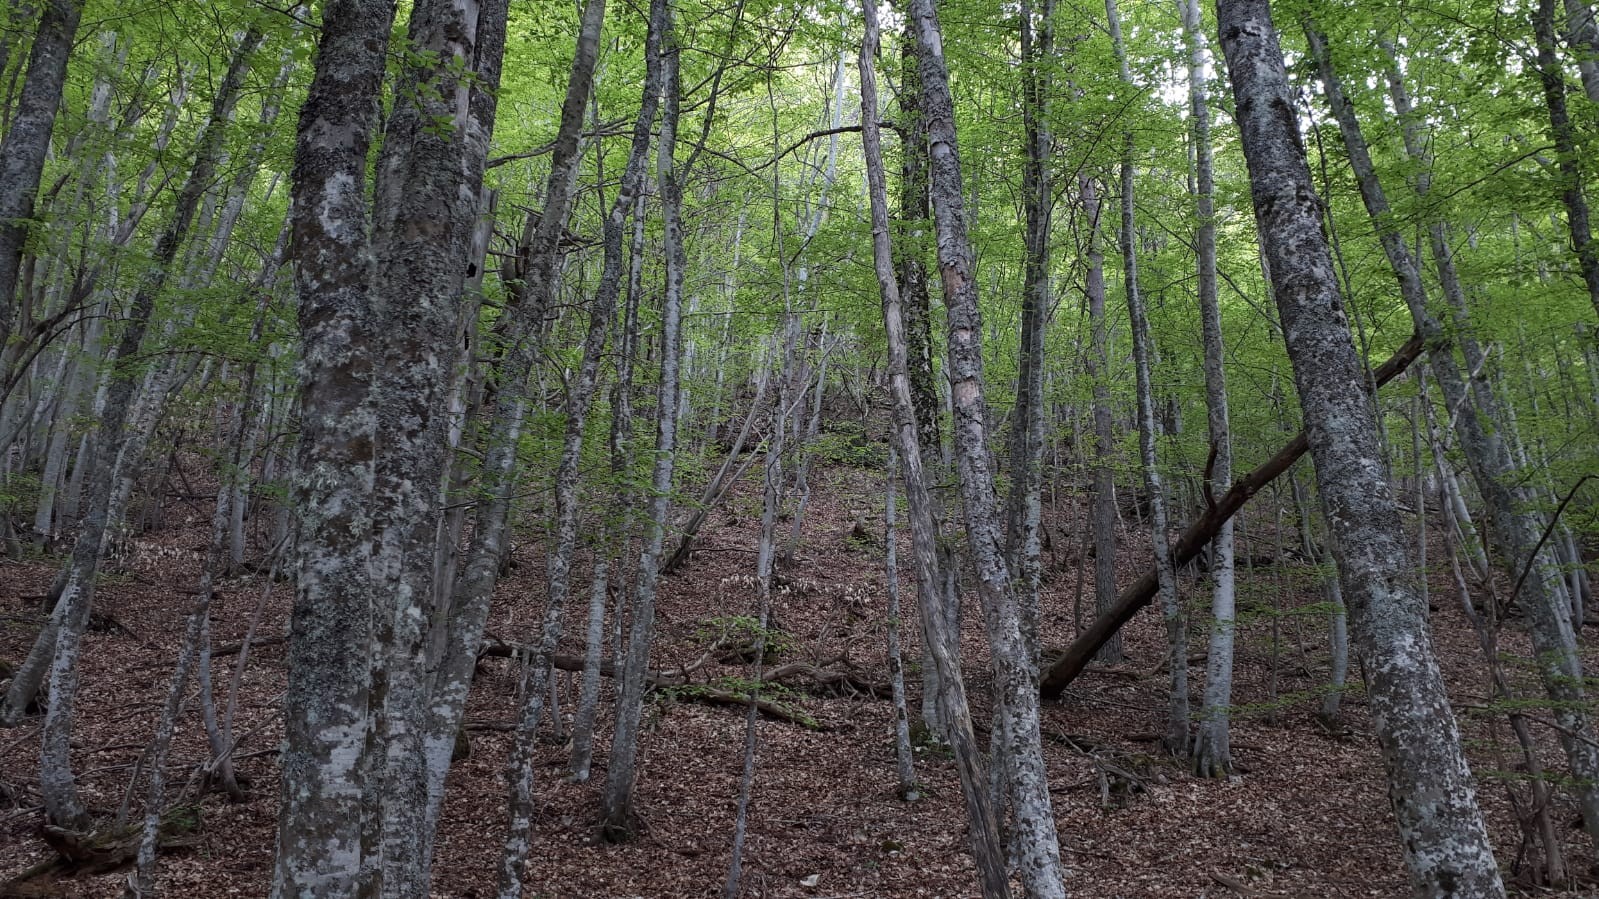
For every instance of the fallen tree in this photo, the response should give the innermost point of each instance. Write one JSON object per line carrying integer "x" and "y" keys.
{"x": 1069, "y": 663}
{"x": 712, "y": 692}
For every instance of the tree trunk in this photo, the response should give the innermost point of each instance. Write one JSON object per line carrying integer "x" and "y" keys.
{"x": 992, "y": 878}
{"x": 321, "y": 839}
{"x": 1480, "y": 430}
{"x": 1177, "y": 735}
{"x": 1445, "y": 841}
{"x": 429, "y": 178}
{"x": 536, "y": 676}
{"x": 1551, "y": 75}
{"x": 904, "y": 759}
{"x": 1104, "y": 508}
{"x": 113, "y": 460}
{"x": 1212, "y": 743}
{"x": 1034, "y": 844}
{"x": 27, "y": 144}
{"x": 617, "y": 799}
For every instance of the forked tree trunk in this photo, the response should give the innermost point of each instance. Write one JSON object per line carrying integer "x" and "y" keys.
{"x": 617, "y": 799}
{"x": 989, "y": 855}
{"x": 1034, "y": 844}
{"x": 429, "y": 179}
{"x": 1445, "y": 842}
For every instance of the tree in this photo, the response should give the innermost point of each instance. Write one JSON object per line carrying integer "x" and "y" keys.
{"x": 1435, "y": 804}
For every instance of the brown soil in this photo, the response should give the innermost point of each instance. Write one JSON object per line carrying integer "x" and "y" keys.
{"x": 1306, "y": 815}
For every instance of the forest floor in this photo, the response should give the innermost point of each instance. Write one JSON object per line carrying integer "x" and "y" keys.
{"x": 1306, "y": 815}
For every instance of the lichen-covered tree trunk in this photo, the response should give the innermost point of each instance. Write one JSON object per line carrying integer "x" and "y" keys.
{"x": 326, "y": 717}
{"x": 27, "y": 143}
{"x": 1212, "y": 755}
{"x": 992, "y": 878}
{"x": 429, "y": 178}
{"x": 1512, "y": 527}
{"x": 1023, "y": 508}
{"x": 1034, "y": 844}
{"x": 1434, "y": 799}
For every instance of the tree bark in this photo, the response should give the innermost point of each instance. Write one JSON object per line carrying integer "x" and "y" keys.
{"x": 1551, "y": 74}
{"x": 988, "y": 853}
{"x": 617, "y": 799}
{"x": 1034, "y": 844}
{"x": 1103, "y": 522}
{"x": 1212, "y": 743}
{"x": 1445, "y": 842}
{"x": 1177, "y": 733}
{"x": 116, "y": 456}
{"x": 1513, "y": 529}
{"x": 27, "y": 143}
{"x": 321, "y": 843}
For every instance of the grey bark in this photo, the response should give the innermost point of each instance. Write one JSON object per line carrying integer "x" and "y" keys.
{"x": 617, "y": 799}
{"x": 27, "y": 144}
{"x": 1103, "y": 516}
{"x": 904, "y": 761}
{"x": 953, "y": 713}
{"x": 1177, "y": 729}
{"x": 1513, "y": 529}
{"x": 1034, "y": 844}
{"x": 1212, "y": 754}
{"x": 1568, "y": 156}
{"x": 580, "y": 393}
{"x": 116, "y": 456}
{"x": 429, "y": 179}
{"x": 320, "y": 835}
{"x": 1434, "y": 799}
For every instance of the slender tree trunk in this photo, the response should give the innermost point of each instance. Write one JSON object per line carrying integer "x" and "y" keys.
{"x": 621, "y": 774}
{"x": 1445, "y": 842}
{"x": 1567, "y": 154}
{"x": 1212, "y": 743}
{"x": 112, "y": 458}
{"x": 566, "y": 476}
{"x": 1103, "y": 521}
{"x": 1034, "y": 843}
{"x": 1177, "y": 733}
{"x": 904, "y": 760}
{"x": 142, "y": 883}
{"x": 992, "y": 878}
{"x": 472, "y": 595}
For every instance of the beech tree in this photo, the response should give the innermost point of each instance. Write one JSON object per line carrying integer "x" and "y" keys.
{"x": 1434, "y": 801}
{"x": 339, "y": 353}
